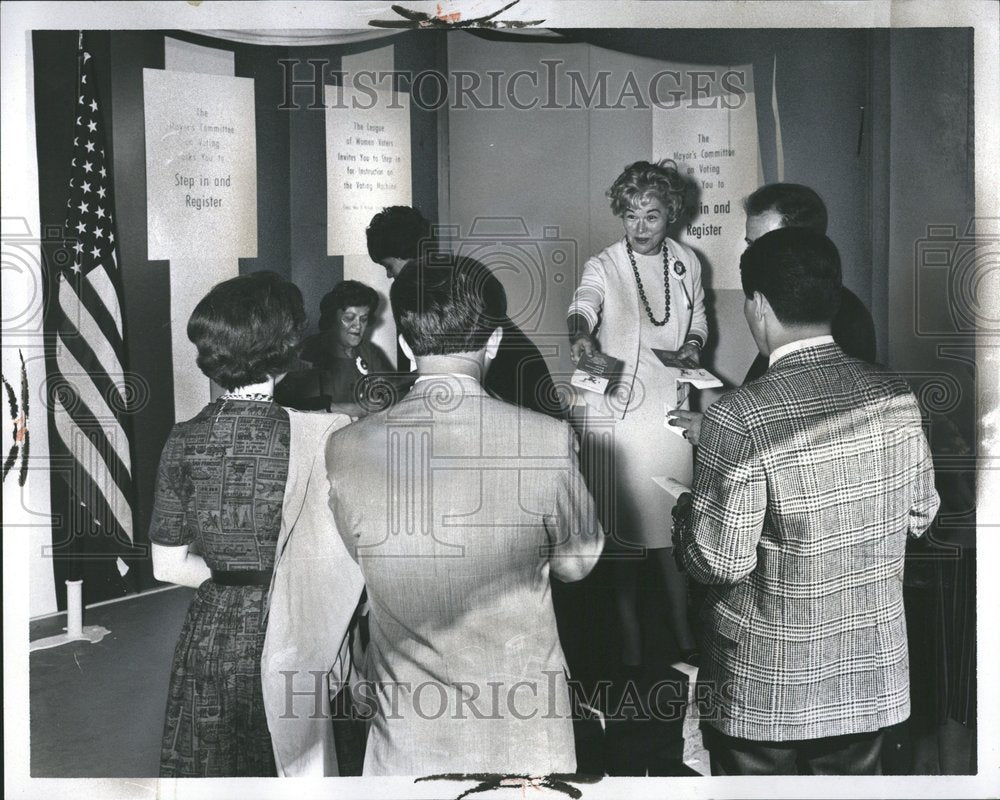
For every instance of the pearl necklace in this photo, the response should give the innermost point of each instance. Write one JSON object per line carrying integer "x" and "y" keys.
{"x": 666, "y": 284}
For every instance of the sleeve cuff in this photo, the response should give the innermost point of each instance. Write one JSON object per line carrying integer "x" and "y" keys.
{"x": 576, "y": 311}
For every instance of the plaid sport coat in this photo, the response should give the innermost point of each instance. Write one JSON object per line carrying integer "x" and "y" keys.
{"x": 807, "y": 482}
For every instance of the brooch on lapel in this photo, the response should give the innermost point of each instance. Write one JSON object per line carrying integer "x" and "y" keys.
{"x": 677, "y": 272}
{"x": 359, "y": 362}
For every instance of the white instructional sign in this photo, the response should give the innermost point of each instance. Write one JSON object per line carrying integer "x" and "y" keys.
{"x": 712, "y": 135}
{"x": 201, "y": 190}
{"x": 201, "y": 165}
{"x": 367, "y": 162}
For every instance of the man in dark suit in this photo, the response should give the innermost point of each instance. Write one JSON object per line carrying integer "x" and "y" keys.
{"x": 398, "y": 235}
{"x": 459, "y": 508}
{"x": 807, "y": 484}
{"x": 792, "y": 205}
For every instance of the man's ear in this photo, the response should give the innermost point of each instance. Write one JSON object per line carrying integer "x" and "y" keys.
{"x": 408, "y": 352}
{"x": 762, "y": 308}
{"x": 393, "y": 265}
{"x": 493, "y": 343}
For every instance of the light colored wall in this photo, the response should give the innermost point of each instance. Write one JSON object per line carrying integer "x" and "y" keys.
{"x": 521, "y": 189}
{"x": 550, "y": 168}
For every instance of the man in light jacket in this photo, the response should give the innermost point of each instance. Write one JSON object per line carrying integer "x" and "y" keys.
{"x": 459, "y": 507}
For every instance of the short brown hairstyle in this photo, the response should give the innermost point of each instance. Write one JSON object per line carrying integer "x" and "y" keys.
{"x": 444, "y": 305}
{"x": 344, "y": 295}
{"x": 247, "y": 328}
{"x": 397, "y": 232}
{"x": 798, "y": 271}
{"x": 797, "y": 205}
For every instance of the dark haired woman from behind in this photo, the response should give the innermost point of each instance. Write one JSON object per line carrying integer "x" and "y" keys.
{"x": 341, "y": 354}
{"x": 221, "y": 488}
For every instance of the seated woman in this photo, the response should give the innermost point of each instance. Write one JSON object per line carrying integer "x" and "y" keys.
{"x": 340, "y": 355}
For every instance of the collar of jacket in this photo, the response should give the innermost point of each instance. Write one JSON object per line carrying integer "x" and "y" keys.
{"x": 464, "y": 385}
{"x": 812, "y": 354}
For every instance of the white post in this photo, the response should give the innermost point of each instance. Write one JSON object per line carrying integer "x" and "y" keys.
{"x": 75, "y": 632}
{"x": 74, "y": 609}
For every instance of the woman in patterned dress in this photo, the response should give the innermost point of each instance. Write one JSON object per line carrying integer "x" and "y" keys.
{"x": 219, "y": 489}
{"x": 642, "y": 292}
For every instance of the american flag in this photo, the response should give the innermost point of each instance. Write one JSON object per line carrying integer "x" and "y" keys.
{"x": 90, "y": 395}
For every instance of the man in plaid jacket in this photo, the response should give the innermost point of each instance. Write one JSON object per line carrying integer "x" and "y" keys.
{"x": 808, "y": 481}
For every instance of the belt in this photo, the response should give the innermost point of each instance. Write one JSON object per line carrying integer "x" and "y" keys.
{"x": 246, "y": 577}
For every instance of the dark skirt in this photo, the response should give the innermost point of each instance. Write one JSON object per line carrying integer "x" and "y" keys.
{"x": 215, "y": 724}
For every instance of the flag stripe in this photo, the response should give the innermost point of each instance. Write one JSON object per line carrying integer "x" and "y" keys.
{"x": 89, "y": 511}
{"x": 71, "y": 340}
{"x": 90, "y": 393}
{"x": 99, "y": 488}
{"x": 92, "y": 334}
{"x": 104, "y": 288}
{"x": 84, "y": 419}
{"x": 94, "y": 294}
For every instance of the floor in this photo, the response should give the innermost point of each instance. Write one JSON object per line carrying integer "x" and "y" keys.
{"x": 587, "y": 621}
{"x": 97, "y": 709}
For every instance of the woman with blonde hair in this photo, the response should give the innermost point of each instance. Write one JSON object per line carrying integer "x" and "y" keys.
{"x": 642, "y": 292}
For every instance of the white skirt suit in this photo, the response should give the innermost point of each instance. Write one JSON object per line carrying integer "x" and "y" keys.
{"x": 625, "y": 441}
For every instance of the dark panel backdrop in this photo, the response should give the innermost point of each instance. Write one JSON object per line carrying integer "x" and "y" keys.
{"x": 311, "y": 268}
{"x": 291, "y": 213}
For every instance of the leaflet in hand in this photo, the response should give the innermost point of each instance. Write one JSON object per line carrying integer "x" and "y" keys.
{"x": 696, "y": 377}
{"x": 596, "y": 372}
{"x": 668, "y": 412}
{"x": 668, "y": 358}
{"x": 671, "y": 486}
{"x": 684, "y": 379}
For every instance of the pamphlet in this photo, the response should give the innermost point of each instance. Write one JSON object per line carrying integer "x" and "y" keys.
{"x": 597, "y": 372}
{"x": 671, "y": 486}
{"x": 696, "y": 377}
{"x": 685, "y": 378}
{"x": 669, "y": 358}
